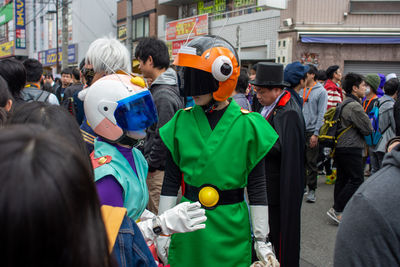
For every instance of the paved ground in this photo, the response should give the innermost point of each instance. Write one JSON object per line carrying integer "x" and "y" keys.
{"x": 318, "y": 233}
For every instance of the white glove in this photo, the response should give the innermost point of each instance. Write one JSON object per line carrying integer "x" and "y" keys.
{"x": 146, "y": 215}
{"x": 185, "y": 217}
{"x": 264, "y": 251}
{"x": 162, "y": 244}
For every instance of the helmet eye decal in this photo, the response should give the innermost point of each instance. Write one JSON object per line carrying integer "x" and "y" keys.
{"x": 222, "y": 68}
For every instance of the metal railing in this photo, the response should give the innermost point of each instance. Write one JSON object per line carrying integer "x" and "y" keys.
{"x": 236, "y": 13}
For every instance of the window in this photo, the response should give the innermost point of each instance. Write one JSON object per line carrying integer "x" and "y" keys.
{"x": 279, "y": 59}
{"x": 279, "y": 43}
{"x": 284, "y": 44}
{"x": 140, "y": 27}
{"x": 283, "y": 59}
{"x": 374, "y": 7}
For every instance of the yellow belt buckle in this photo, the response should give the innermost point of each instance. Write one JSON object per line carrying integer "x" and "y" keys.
{"x": 209, "y": 196}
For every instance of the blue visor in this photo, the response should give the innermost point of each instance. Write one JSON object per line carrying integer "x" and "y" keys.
{"x": 136, "y": 112}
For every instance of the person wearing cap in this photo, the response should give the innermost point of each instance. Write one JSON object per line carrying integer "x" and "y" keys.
{"x": 387, "y": 123}
{"x": 284, "y": 164}
{"x": 372, "y": 82}
{"x": 216, "y": 150}
{"x": 295, "y": 74}
{"x": 335, "y": 95}
{"x": 314, "y": 107}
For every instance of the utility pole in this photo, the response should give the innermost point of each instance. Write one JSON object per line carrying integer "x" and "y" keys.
{"x": 129, "y": 28}
{"x": 57, "y": 46}
{"x": 238, "y": 42}
{"x": 64, "y": 34}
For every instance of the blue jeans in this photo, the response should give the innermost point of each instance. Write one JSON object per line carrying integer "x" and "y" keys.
{"x": 130, "y": 249}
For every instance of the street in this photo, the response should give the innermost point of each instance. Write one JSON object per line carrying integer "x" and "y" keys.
{"x": 318, "y": 232}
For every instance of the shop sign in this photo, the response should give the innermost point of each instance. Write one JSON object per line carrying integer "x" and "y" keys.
{"x": 49, "y": 57}
{"x": 6, "y": 13}
{"x": 20, "y": 21}
{"x": 122, "y": 32}
{"x": 7, "y": 49}
{"x": 176, "y": 45}
{"x": 180, "y": 29}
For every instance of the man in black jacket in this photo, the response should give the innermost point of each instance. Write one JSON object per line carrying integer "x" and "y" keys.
{"x": 154, "y": 63}
{"x": 285, "y": 161}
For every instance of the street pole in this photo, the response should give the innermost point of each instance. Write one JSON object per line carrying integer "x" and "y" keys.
{"x": 129, "y": 28}
{"x": 64, "y": 34}
{"x": 58, "y": 58}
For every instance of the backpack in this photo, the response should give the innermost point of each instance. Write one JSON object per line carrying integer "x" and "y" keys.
{"x": 40, "y": 96}
{"x": 328, "y": 134}
{"x": 377, "y": 133}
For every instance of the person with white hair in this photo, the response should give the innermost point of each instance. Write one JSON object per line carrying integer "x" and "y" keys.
{"x": 104, "y": 56}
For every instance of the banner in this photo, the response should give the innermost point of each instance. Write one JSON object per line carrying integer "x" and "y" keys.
{"x": 6, "y": 13}
{"x": 49, "y": 57}
{"x": 180, "y": 29}
{"x": 20, "y": 21}
{"x": 176, "y": 45}
{"x": 7, "y": 49}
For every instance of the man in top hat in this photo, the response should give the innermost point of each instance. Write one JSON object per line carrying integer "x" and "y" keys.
{"x": 284, "y": 163}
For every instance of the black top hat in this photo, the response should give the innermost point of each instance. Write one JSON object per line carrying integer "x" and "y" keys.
{"x": 269, "y": 75}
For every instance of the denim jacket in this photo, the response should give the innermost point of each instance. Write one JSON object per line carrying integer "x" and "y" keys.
{"x": 130, "y": 249}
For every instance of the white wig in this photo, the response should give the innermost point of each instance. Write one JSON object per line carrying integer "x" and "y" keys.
{"x": 108, "y": 55}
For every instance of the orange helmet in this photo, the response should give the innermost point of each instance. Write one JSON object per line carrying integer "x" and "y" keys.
{"x": 215, "y": 56}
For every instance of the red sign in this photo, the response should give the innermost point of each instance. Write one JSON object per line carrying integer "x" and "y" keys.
{"x": 176, "y": 45}
{"x": 180, "y": 29}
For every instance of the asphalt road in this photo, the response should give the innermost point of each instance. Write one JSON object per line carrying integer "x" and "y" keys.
{"x": 318, "y": 232}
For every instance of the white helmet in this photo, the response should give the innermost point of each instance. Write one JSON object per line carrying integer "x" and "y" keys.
{"x": 119, "y": 106}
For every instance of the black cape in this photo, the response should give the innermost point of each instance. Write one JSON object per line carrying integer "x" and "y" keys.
{"x": 285, "y": 172}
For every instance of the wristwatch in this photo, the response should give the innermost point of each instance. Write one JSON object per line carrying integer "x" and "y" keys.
{"x": 156, "y": 225}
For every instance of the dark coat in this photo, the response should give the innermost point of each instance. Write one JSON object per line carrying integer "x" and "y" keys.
{"x": 285, "y": 172}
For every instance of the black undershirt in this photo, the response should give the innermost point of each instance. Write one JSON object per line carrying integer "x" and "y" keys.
{"x": 256, "y": 183}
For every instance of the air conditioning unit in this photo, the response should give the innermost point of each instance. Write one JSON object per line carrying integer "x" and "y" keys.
{"x": 288, "y": 22}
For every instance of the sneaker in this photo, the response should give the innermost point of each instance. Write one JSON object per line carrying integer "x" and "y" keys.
{"x": 311, "y": 196}
{"x": 305, "y": 191}
{"x": 334, "y": 215}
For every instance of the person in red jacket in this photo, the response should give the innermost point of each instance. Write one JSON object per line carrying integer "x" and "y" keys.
{"x": 335, "y": 95}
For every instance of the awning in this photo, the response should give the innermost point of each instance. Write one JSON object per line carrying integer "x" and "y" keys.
{"x": 350, "y": 39}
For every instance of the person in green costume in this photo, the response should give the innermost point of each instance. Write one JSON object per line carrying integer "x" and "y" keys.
{"x": 219, "y": 149}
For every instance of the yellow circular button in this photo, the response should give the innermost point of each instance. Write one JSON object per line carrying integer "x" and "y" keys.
{"x": 208, "y": 196}
{"x": 102, "y": 160}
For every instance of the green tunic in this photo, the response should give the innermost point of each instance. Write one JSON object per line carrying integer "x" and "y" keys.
{"x": 223, "y": 157}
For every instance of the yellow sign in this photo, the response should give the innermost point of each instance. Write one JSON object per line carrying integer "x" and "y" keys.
{"x": 7, "y": 49}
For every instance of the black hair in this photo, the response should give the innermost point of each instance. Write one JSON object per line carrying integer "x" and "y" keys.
{"x": 67, "y": 71}
{"x": 52, "y": 117}
{"x": 350, "y": 80}
{"x": 254, "y": 67}
{"x": 82, "y": 64}
{"x": 48, "y": 202}
{"x": 391, "y": 86}
{"x": 34, "y": 70}
{"x": 76, "y": 74}
{"x": 48, "y": 75}
{"x": 5, "y": 93}
{"x": 14, "y": 73}
{"x": 157, "y": 49}
{"x": 321, "y": 75}
{"x": 243, "y": 82}
{"x": 5, "y": 96}
{"x": 331, "y": 70}
{"x": 313, "y": 70}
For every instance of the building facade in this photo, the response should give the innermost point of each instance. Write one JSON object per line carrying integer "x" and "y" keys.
{"x": 358, "y": 35}
{"x": 87, "y": 21}
{"x": 250, "y": 25}
{"x": 13, "y": 23}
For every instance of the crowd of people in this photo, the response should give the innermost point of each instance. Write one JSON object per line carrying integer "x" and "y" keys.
{"x": 198, "y": 163}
